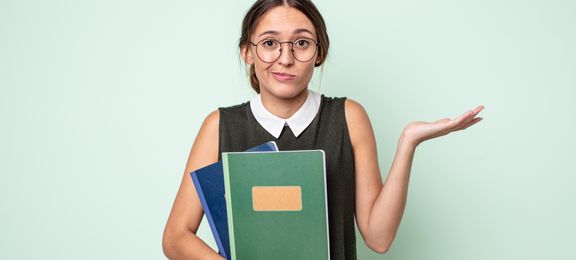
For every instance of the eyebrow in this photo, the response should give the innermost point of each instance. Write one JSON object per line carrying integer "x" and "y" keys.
{"x": 268, "y": 32}
{"x": 297, "y": 31}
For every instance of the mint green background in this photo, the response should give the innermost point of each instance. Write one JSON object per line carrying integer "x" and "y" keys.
{"x": 100, "y": 102}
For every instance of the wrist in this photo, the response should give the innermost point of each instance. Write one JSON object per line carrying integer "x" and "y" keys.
{"x": 408, "y": 140}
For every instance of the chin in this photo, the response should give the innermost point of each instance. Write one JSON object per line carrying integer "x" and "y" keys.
{"x": 285, "y": 91}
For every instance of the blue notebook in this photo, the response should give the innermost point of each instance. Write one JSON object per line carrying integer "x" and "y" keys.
{"x": 209, "y": 183}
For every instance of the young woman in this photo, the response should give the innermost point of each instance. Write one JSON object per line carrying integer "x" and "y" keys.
{"x": 283, "y": 41}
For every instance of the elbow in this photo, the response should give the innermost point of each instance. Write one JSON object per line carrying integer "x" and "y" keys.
{"x": 168, "y": 243}
{"x": 379, "y": 241}
{"x": 380, "y": 247}
{"x": 166, "y": 246}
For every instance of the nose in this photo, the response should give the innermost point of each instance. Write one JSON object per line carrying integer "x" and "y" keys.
{"x": 286, "y": 56}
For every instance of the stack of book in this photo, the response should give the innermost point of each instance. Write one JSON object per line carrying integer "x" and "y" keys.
{"x": 266, "y": 204}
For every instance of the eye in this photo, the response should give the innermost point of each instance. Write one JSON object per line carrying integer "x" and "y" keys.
{"x": 302, "y": 43}
{"x": 269, "y": 44}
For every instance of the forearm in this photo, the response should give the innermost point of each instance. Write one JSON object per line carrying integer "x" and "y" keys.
{"x": 380, "y": 206}
{"x": 186, "y": 245}
{"x": 388, "y": 207}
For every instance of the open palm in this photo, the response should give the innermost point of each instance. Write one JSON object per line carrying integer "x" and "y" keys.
{"x": 419, "y": 131}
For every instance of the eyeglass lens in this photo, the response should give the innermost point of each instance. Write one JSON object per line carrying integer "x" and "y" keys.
{"x": 269, "y": 50}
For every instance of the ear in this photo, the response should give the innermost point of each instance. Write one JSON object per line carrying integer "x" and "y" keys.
{"x": 246, "y": 55}
{"x": 318, "y": 60}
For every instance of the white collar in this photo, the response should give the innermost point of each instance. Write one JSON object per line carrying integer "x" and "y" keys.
{"x": 298, "y": 122}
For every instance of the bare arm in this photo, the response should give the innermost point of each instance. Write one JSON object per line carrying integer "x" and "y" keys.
{"x": 380, "y": 206}
{"x": 180, "y": 240}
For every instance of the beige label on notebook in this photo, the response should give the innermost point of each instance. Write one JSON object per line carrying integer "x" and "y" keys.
{"x": 277, "y": 198}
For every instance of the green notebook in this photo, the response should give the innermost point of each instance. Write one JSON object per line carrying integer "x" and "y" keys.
{"x": 276, "y": 205}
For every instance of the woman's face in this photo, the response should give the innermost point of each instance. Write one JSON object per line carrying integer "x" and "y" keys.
{"x": 286, "y": 77}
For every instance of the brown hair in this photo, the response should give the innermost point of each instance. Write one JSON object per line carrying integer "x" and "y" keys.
{"x": 262, "y": 6}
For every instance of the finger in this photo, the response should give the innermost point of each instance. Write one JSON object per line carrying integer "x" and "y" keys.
{"x": 469, "y": 124}
{"x": 478, "y": 109}
{"x": 463, "y": 119}
{"x": 468, "y": 116}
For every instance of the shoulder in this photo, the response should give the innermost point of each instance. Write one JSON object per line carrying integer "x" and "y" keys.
{"x": 354, "y": 111}
{"x": 235, "y": 108}
{"x": 358, "y": 123}
{"x": 212, "y": 119}
{"x": 352, "y": 108}
{"x": 333, "y": 100}
{"x": 235, "y": 111}
{"x": 234, "y": 115}
{"x": 332, "y": 107}
{"x": 210, "y": 126}
{"x": 205, "y": 147}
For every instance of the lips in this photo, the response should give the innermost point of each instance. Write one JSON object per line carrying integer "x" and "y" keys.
{"x": 283, "y": 76}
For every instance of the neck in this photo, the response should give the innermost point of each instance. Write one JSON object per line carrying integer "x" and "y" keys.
{"x": 284, "y": 107}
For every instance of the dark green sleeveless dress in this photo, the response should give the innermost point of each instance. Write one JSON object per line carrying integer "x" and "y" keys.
{"x": 240, "y": 131}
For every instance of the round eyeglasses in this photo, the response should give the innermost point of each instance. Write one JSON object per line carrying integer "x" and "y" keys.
{"x": 269, "y": 50}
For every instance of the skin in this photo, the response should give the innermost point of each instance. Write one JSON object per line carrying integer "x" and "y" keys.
{"x": 285, "y": 24}
{"x": 379, "y": 205}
